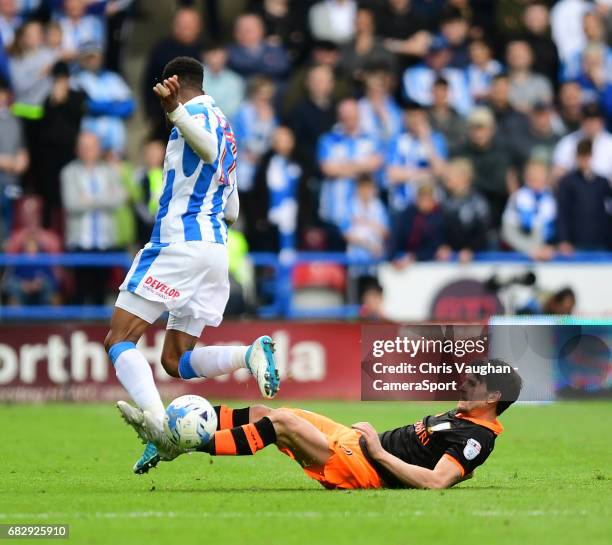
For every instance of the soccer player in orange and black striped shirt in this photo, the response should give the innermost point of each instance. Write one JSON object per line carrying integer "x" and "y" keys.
{"x": 436, "y": 452}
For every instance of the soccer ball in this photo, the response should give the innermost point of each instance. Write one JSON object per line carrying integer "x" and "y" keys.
{"x": 190, "y": 421}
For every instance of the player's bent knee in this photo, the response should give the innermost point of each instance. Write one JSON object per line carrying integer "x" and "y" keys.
{"x": 284, "y": 421}
{"x": 170, "y": 363}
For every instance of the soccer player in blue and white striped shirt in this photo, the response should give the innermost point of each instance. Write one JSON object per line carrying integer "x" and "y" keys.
{"x": 184, "y": 268}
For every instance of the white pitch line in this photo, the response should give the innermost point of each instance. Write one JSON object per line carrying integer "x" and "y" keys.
{"x": 275, "y": 514}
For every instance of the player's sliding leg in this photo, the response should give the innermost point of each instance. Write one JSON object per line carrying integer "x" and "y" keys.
{"x": 282, "y": 427}
{"x": 181, "y": 359}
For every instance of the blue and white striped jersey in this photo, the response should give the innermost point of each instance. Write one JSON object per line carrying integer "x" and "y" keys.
{"x": 195, "y": 193}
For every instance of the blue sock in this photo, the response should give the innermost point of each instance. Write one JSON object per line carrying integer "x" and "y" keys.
{"x": 117, "y": 349}
{"x": 185, "y": 369}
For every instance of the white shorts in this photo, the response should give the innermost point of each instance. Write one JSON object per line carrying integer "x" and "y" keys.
{"x": 187, "y": 279}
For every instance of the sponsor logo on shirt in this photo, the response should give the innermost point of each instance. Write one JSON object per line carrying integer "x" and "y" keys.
{"x": 165, "y": 291}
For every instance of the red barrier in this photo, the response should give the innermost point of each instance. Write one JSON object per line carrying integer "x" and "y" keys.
{"x": 68, "y": 362}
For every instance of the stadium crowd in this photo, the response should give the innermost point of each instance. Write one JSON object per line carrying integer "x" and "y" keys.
{"x": 390, "y": 129}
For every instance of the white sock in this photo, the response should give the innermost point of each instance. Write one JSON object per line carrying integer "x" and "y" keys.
{"x": 134, "y": 372}
{"x": 212, "y": 361}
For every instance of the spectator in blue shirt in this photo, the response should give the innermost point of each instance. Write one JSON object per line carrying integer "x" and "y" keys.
{"x": 529, "y": 221}
{"x": 253, "y": 125}
{"x": 418, "y": 80}
{"x": 366, "y": 228}
{"x": 110, "y": 101}
{"x": 78, "y": 28}
{"x": 379, "y": 115}
{"x": 482, "y": 69}
{"x": 221, "y": 83}
{"x": 9, "y": 21}
{"x": 272, "y": 217}
{"x": 343, "y": 154}
{"x": 415, "y": 156}
{"x": 251, "y": 54}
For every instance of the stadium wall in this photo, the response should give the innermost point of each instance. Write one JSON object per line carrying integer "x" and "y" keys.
{"x": 67, "y": 362}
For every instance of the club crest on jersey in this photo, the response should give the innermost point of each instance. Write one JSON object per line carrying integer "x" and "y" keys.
{"x": 472, "y": 449}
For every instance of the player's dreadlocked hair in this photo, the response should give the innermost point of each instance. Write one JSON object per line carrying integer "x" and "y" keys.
{"x": 189, "y": 71}
{"x": 508, "y": 384}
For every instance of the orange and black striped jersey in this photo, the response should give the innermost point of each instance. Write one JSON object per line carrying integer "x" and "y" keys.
{"x": 465, "y": 441}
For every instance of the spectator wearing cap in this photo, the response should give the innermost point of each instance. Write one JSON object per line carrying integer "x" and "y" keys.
{"x": 444, "y": 119}
{"x": 526, "y": 87}
{"x": 379, "y": 114}
{"x": 365, "y": 49}
{"x": 538, "y": 141}
{"x": 404, "y": 31}
{"x": 185, "y": 40}
{"x": 536, "y": 19}
{"x": 418, "y": 232}
{"x": 333, "y": 20}
{"x": 416, "y": 156}
{"x": 482, "y": 69}
{"x": 109, "y": 103}
{"x": 490, "y": 160}
{"x": 9, "y": 21}
{"x": 78, "y": 28}
{"x": 417, "y": 81}
{"x": 91, "y": 192}
{"x": 466, "y": 213}
{"x": 343, "y": 154}
{"x": 593, "y": 128}
{"x": 584, "y": 201}
{"x": 64, "y": 109}
{"x": 221, "y": 83}
{"x": 251, "y": 55}
{"x": 529, "y": 220}
{"x": 13, "y": 160}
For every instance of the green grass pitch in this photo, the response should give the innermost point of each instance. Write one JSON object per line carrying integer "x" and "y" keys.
{"x": 549, "y": 480}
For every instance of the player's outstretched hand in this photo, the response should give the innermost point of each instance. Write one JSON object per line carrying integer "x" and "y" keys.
{"x": 371, "y": 437}
{"x": 167, "y": 93}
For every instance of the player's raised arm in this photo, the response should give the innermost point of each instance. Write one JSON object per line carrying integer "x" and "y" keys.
{"x": 444, "y": 475}
{"x": 199, "y": 139}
